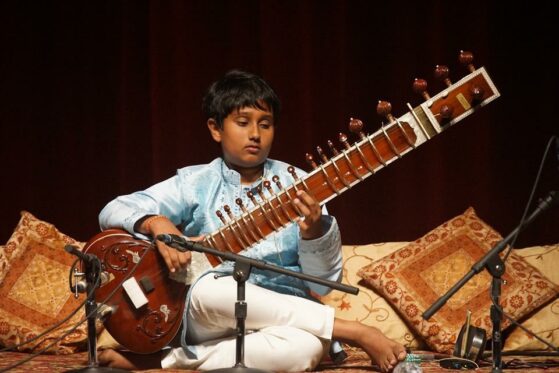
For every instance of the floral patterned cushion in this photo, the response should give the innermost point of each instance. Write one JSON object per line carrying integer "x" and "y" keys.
{"x": 367, "y": 306}
{"x": 545, "y": 322}
{"x": 34, "y": 290}
{"x": 415, "y": 276}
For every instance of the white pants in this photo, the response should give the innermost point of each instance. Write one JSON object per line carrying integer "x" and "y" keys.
{"x": 284, "y": 332}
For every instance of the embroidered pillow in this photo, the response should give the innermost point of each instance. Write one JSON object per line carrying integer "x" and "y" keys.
{"x": 415, "y": 276}
{"x": 34, "y": 290}
{"x": 545, "y": 322}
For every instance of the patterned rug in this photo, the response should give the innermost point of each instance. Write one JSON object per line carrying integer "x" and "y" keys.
{"x": 357, "y": 362}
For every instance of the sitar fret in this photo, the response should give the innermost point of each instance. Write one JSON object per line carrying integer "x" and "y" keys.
{"x": 360, "y": 161}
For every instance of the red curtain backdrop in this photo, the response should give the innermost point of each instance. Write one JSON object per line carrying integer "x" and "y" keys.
{"x": 103, "y": 98}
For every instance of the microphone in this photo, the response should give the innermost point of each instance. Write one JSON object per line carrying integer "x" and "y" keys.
{"x": 88, "y": 258}
{"x": 173, "y": 240}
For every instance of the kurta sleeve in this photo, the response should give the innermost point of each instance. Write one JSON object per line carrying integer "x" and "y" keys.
{"x": 164, "y": 198}
{"x": 322, "y": 257}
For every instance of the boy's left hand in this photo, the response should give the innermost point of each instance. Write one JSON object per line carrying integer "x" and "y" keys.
{"x": 311, "y": 224}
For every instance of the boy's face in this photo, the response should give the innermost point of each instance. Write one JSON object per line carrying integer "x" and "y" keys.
{"x": 246, "y": 137}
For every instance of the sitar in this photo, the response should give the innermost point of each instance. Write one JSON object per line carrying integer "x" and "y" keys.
{"x": 143, "y": 304}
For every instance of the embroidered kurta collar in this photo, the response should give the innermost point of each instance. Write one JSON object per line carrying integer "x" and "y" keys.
{"x": 234, "y": 178}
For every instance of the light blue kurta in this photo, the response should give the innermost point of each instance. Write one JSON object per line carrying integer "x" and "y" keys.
{"x": 191, "y": 198}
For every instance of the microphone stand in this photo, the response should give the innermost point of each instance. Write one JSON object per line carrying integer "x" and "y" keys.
{"x": 92, "y": 266}
{"x": 241, "y": 273}
{"x": 496, "y": 267}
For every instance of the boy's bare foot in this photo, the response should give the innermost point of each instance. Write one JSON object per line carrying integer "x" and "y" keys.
{"x": 385, "y": 352}
{"x": 382, "y": 350}
{"x": 129, "y": 360}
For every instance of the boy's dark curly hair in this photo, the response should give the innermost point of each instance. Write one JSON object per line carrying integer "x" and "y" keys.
{"x": 238, "y": 89}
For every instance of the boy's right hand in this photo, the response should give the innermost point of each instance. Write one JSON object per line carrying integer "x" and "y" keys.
{"x": 174, "y": 259}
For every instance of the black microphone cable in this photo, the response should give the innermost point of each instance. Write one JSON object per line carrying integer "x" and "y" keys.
{"x": 532, "y": 193}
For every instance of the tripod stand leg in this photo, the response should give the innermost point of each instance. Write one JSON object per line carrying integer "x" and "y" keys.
{"x": 92, "y": 269}
{"x": 240, "y": 274}
{"x": 497, "y": 268}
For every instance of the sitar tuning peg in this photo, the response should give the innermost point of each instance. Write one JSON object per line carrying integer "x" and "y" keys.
{"x": 466, "y": 58}
{"x": 441, "y": 73}
{"x": 477, "y": 92}
{"x": 321, "y": 154}
{"x": 333, "y": 148}
{"x": 384, "y": 109}
{"x": 291, "y": 171}
{"x": 229, "y": 212}
{"x": 446, "y": 111}
{"x": 268, "y": 186}
{"x": 310, "y": 160}
{"x": 356, "y": 126}
{"x": 221, "y": 217}
{"x": 343, "y": 140}
{"x": 250, "y": 196}
{"x": 420, "y": 86}
{"x": 239, "y": 203}
{"x": 260, "y": 193}
{"x": 277, "y": 181}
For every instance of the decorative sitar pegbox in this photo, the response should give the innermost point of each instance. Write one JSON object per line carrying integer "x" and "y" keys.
{"x": 435, "y": 114}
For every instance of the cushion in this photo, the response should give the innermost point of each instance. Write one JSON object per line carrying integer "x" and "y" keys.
{"x": 3, "y": 260}
{"x": 34, "y": 290}
{"x": 416, "y": 275}
{"x": 367, "y": 306}
{"x": 106, "y": 341}
{"x": 545, "y": 322}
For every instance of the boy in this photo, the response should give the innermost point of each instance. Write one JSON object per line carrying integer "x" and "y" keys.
{"x": 287, "y": 330}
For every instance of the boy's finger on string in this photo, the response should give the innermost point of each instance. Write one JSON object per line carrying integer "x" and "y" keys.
{"x": 305, "y": 198}
{"x": 305, "y": 211}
